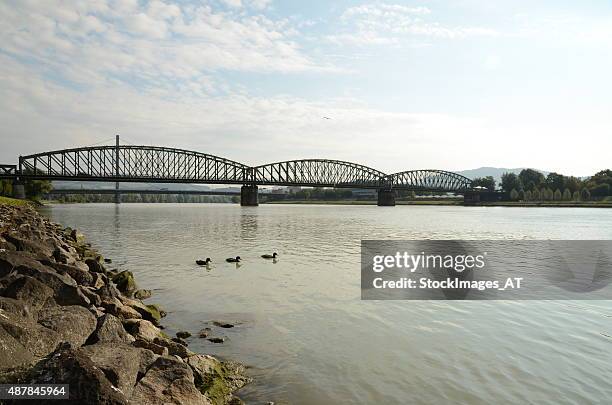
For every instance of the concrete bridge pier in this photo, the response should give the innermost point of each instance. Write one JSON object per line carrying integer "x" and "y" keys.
{"x": 248, "y": 195}
{"x": 19, "y": 189}
{"x": 386, "y": 198}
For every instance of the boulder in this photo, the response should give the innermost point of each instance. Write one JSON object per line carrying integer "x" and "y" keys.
{"x": 121, "y": 311}
{"x": 179, "y": 341}
{"x": 183, "y": 334}
{"x": 122, "y": 364}
{"x": 30, "y": 291}
{"x": 88, "y": 383}
{"x": 74, "y": 324}
{"x": 37, "y": 340}
{"x": 110, "y": 329}
{"x": 142, "y": 329}
{"x": 142, "y": 294}
{"x": 80, "y": 276}
{"x": 149, "y": 312}
{"x": 215, "y": 379}
{"x": 223, "y": 324}
{"x": 12, "y": 352}
{"x": 168, "y": 381}
{"x": 174, "y": 349}
{"x": 125, "y": 282}
{"x": 77, "y": 236}
{"x": 155, "y": 348}
{"x": 95, "y": 265}
{"x": 204, "y": 332}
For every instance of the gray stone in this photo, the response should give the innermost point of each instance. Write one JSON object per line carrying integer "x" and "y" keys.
{"x": 110, "y": 329}
{"x": 168, "y": 381}
{"x": 74, "y": 324}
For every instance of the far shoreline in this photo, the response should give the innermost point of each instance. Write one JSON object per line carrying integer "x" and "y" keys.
{"x": 456, "y": 203}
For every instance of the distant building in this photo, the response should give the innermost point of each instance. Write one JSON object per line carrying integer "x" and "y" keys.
{"x": 294, "y": 189}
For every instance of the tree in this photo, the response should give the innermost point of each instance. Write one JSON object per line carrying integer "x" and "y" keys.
{"x": 567, "y": 194}
{"x": 514, "y": 195}
{"x": 486, "y": 182}
{"x": 34, "y": 189}
{"x": 585, "y": 195}
{"x": 6, "y": 187}
{"x": 555, "y": 181}
{"x": 536, "y": 195}
{"x": 557, "y": 196}
{"x": 572, "y": 183}
{"x": 528, "y": 196}
{"x": 510, "y": 181}
{"x": 576, "y": 195}
{"x": 531, "y": 178}
{"x": 601, "y": 190}
{"x": 547, "y": 194}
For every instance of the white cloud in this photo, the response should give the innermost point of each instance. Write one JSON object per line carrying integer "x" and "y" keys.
{"x": 375, "y": 24}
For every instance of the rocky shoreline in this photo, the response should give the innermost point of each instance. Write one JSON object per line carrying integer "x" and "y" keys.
{"x": 66, "y": 319}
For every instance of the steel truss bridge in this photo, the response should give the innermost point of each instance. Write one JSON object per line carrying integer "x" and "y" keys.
{"x": 151, "y": 164}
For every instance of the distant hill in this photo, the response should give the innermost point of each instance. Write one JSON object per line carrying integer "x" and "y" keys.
{"x": 496, "y": 172}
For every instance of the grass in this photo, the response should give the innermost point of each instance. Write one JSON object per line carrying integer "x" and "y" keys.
{"x": 14, "y": 202}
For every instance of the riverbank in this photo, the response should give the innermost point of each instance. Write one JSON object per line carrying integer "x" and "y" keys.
{"x": 67, "y": 319}
{"x": 549, "y": 204}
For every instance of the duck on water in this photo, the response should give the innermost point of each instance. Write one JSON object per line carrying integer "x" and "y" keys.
{"x": 201, "y": 262}
{"x": 233, "y": 259}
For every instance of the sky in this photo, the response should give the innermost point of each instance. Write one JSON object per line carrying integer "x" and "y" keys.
{"x": 427, "y": 84}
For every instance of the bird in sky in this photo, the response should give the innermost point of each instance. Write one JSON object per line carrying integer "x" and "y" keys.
{"x": 326, "y": 118}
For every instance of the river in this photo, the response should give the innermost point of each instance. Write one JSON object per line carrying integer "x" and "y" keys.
{"x": 308, "y": 336}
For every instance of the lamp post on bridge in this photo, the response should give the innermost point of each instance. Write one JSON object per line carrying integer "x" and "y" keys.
{"x": 117, "y": 194}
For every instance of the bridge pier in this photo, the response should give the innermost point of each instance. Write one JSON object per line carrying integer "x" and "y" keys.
{"x": 19, "y": 189}
{"x": 386, "y": 198}
{"x": 248, "y": 196}
{"x": 471, "y": 197}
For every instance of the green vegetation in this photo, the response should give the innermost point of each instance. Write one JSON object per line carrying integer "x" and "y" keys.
{"x": 144, "y": 198}
{"x": 13, "y": 201}
{"x": 531, "y": 185}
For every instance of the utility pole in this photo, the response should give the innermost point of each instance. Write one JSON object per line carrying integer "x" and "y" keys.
{"x": 117, "y": 195}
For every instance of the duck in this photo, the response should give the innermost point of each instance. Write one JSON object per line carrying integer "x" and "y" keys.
{"x": 233, "y": 260}
{"x": 272, "y": 256}
{"x": 203, "y": 262}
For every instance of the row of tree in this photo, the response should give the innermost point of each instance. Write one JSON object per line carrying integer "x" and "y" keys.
{"x": 531, "y": 184}
{"x": 146, "y": 198}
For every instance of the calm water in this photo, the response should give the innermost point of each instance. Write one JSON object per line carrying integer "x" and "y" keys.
{"x": 310, "y": 339}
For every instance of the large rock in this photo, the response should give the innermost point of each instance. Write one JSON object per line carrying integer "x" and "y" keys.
{"x": 125, "y": 282}
{"x": 123, "y": 312}
{"x": 142, "y": 329}
{"x": 149, "y": 312}
{"x": 110, "y": 329}
{"x": 215, "y": 379}
{"x": 122, "y": 364}
{"x": 30, "y": 291}
{"x": 174, "y": 349}
{"x": 80, "y": 276}
{"x": 142, "y": 294}
{"x": 168, "y": 381}
{"x": 74, "y": 324}
{"x": 88, "y": 383}
{"x": 12, "y": 352}
{"x": 66, "y": 290}
{"x": 95, "y": 265}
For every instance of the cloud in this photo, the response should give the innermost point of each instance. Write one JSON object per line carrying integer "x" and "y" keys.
{"x": 380, "y": 23}
{"x": 90, "y": 43}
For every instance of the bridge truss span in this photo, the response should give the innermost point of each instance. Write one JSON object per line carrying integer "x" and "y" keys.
{"x": 130, "y": 163}
{"x": 429, "y": 180}
{"x": 318, "y": 173}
